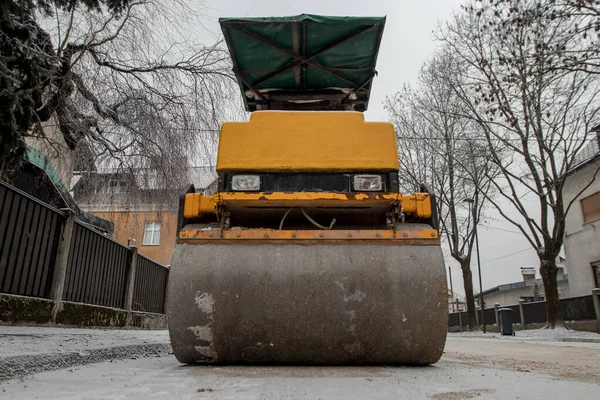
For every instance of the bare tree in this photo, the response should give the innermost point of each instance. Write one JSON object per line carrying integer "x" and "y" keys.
{"x": 122, "y": 79}
{"x": 576, "y": 48}
{"x": 533, "y": 117}
{"x": 435, "y": 146}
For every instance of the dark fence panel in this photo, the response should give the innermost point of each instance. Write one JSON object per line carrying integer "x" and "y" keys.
{"x": 573, "y": 309}
{"x": 490, "y": 316}
{"x": 516, "y": 313}
{"x": 29, "y": 232}
{"x": 465, "y": 318}
{"x": 96, "y": 269}
{"x": 578, "y": 308}
{"x": 535, "y": 312}
{"x": 150, "y": 285}
{"x": 453, "y": 319}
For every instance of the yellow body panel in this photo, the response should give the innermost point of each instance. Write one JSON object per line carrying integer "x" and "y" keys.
{"x": 196, "y": 205}
{"x": 309, "y": 141}
{"x": 418, "y": 204}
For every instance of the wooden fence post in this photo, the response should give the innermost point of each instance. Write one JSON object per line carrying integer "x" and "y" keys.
{"x": 596, "y": 297}
{"x": 62, "y": 256}
{"x": 522, "y": 312}
{"x": 130, "y": 279}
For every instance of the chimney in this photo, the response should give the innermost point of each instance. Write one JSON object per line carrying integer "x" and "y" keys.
{"x": 528, "y": 273}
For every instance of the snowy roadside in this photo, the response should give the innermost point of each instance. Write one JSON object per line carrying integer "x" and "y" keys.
{"x": 27, "y": 350}
{"x": 30, "y": 340}
{"x": 537, "y": 335}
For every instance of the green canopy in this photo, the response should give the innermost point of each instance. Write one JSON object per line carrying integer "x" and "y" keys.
{"x": 304, "y": 62}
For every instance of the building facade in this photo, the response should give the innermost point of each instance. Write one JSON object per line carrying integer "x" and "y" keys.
{"x": 142, "y": 208}
{"x": 152, "y": 231}
{"x": 582, "y": 232}
{"x": 530, "y": 289}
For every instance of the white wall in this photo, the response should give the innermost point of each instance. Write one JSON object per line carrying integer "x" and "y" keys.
{"x": 582, "y": 241}
{"x": 54, "y": 147}
{"x": 512, "y": 297}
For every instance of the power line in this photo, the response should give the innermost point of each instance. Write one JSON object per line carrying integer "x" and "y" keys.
{"x": 507, "y": 255}
{"x": 400, "y": 138}
{"x": 501, "y": 229}
{"x": 430, "y": 138}
{"x": 493, "y": 139}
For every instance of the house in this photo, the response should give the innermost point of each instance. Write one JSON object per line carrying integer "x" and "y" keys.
{"x": 530, "y": 289}
{"x": 142, "y": 204}
{"x": 47, "y": 169}
{"x": 456, "y": 302}
{"x": 582, "y": 224}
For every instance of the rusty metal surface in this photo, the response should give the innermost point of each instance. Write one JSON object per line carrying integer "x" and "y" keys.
{"x": 418, "y": 204}
{"x": 273, "y": 234}
{"x": 317, "y": 304}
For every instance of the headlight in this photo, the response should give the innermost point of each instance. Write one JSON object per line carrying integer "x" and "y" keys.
{"x": 367, "y": 183}
{"x": 245, "y": 183}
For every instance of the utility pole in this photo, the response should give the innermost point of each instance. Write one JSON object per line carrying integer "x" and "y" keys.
{"x": 481, "y": 302}
{"x": 451, "y": 288}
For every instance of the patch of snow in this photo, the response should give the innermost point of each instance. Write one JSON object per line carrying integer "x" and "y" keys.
{"x": 164, "y": 378}
{"x": 557, "y": 334}
{"x": 26, "y": 340}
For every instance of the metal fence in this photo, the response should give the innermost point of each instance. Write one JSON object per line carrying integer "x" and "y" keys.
{"x": 578, "y": 308}
{"x": 535, "y": 312}
{"x": 490, "y": 315}
{"x": 97, "y": 267}
{"x": 29, "y": 230}
{"x": 150, "y": 285}
{"x": 573, "y": 309}
{"x": 454, "y": 319}
{"x": 516, "y": 315}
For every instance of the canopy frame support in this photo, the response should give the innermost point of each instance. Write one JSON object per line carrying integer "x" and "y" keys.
{"x": 326, "y": 98}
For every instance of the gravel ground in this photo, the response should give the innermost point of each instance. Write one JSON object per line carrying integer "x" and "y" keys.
{"x": 572, "y": 361}
{"x": 534, "y": 367}
{"x": 164, "y": 378}
{"x": 28, "y": 350}
{"x": 29, "y": 340}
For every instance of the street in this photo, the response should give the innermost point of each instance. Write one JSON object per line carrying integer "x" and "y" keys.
{"x": 472, "y": 368}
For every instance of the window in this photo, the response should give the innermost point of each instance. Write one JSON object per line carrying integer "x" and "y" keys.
{"x": 596, "y": 270}
{"x": 151, "y": 234}
{"x": 591, "y": 207}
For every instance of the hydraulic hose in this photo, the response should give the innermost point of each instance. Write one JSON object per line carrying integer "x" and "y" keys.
{"x": 315, "y": 223}
{"x": 284, "y": 216}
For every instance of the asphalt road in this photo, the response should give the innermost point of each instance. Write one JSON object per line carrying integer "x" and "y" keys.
{"x": 470, "y": 369}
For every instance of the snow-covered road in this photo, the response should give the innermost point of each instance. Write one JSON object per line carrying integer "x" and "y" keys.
{"x": 470, "y": 369}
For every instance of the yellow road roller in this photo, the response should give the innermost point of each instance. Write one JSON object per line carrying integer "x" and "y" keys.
{"x": 306, "y": 253}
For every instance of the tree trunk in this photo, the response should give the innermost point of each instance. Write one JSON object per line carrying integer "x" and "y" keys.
{"x": 468, "y": 285}
{"x": 549, "y": 271}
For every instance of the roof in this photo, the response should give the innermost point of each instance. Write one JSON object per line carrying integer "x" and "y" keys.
{"x": 202, "y": 177}
{"x": 152, "y": 179}
{"x": 521, "y": 284}
{"x": 304, "y": 62}
{"x": 589, "y": 153}
{"x": 65, "y": 199}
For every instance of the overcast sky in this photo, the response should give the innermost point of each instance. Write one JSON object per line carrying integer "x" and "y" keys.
{"x": 407, "y": 42}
